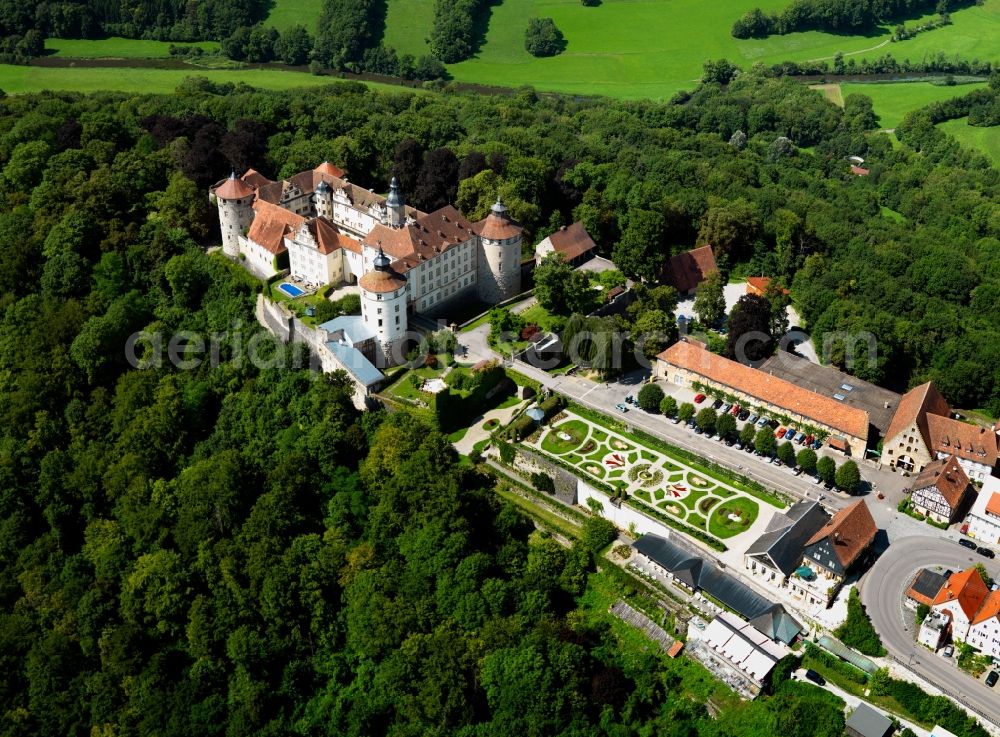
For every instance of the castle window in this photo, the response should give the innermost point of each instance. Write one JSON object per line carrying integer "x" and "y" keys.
{"x": 380, "y": 323}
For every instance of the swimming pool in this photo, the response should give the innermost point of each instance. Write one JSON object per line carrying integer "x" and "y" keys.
{"x": 290, "y": 289}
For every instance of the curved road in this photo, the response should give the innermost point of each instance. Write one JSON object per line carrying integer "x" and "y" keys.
{"x": 883, "y": 590}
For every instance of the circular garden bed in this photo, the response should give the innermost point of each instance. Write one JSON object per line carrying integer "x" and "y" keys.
{"x": 706, "y": 504}
{"x": 565, "y": 437}
{"x": 490, "y": 424}
{"x": 733, "y": 517}
{"x": 645, "y": 475}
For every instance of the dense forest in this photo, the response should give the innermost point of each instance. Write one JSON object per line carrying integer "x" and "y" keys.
{"x": 233, "y": 549}
{"x": 836, "y": 16}
{"x": 172, "y": 20}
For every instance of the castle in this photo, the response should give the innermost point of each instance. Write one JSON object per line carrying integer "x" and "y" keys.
{"x": 327, "y": 231}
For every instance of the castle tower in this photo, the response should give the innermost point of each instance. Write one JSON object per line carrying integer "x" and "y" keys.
{"x": 499, "y": 276}
{"x": 383, "y": 306}
{"x": 234, "y": 198}
{"x": 323, "y": 199}
{"x": 395, "y": 208}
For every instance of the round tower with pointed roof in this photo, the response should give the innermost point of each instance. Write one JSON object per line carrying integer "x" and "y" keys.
{"x": 395, "y": 207}
{"x": 383, "y": 306}
{"x": 499, "y": 276}
{"x": 234, "y": 198}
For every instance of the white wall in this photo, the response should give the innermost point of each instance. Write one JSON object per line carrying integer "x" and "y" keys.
{"x": 623, "y": 516}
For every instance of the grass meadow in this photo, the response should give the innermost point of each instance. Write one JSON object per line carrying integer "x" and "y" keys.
{"x": 285, "y": 13}
{"x": 23, "y": 79}
{"x": 119, "y": 48}
{"x": 653, "y": 48}
{"x": 894, "y": 100}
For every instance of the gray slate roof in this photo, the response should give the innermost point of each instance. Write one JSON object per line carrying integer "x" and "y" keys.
{"x": 867, "y": 722}
{"x": 786, "y": 535}
{"x": 700, "y": 574}
{"x": 356, "y": 364}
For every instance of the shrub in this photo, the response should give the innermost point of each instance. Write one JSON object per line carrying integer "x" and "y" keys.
{"x": 542, "y": 38}
{"x": 857, "y": 630}
{"x": 668, "y": 406}
{"x": 522, "y": 427}
{"x": 848, "y": 477}
{"x": 598, "y": 533}
{"x": 541, "y": 481}
{"x": 551, "y": 405}
{"x": 507, "y": 452}
{"x": 650, "y": 397}
{"x": 685, "y": 412}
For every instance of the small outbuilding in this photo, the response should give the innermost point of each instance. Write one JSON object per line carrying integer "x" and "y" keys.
{"x": 867, "y": 722}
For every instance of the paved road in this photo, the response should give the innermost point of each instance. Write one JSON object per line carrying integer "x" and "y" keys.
{"x": 882, "y": 591}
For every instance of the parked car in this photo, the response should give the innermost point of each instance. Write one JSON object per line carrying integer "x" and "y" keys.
{"x": 716, "y": 404}
{"x": 699, "y": 398}
{"x": 752, "y": 419}
{"x": 630, "y": 400}
{"x": 739, "y": 445}
{"x": 815, "y": 677}
{"x": 809, "y": 439}
{"x": 817, "y": 444}
{"x": 789, "y": 433}
{"x": 948, "y": 651}
{"x": 780, "y": 433}
{"x": 621, "y": 408}
{"x": 797, "y": 471}
{"x": 992, "y": 678}
{"x": 749, "y": 448}
{"x": 967, "y": 544}
{"x": 800, "y": 438}
{"x": 986, "y": 552}
{"x": 730, "y": 442}
{"x": 827, "y": 485}
{"x": 778, "y": 463}
{"x": 735, "y": 411}
{"x": 773, "y": 423}
{"x": 697, "y": 430}
{"x": 725, "y": 408}
{"x": 818, "y": 481}
{"x": 761, "y": 422}
{"x": 675, "y": 420}
{"x": 743, "y": 415}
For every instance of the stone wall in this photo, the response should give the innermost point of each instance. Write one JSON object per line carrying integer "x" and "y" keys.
{"x": 623, "y": 516}
{"x": 565, "y": 482}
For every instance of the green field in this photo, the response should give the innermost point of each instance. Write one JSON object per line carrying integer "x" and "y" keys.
{"x": 118, "y": 48}
{"x": 893, "y": 101}
{"x": 986, "y": 140}
{"x": 21, "y": 79}
{"x": 652, "y": 48}
{"x": 285, "y": 13}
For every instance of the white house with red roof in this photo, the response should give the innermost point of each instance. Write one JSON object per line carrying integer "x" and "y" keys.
{"x": 983, "y": 520}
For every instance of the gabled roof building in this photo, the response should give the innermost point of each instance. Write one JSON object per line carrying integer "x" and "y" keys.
{"x": 923, "y": 430}
{"x": 942, "y": 490}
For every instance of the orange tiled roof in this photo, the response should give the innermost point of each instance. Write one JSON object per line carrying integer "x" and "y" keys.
{"x": 270, "y": 225}
{"x": 768, "y": 388}
{"x": 255, "y": 179}
{"x": 974, "y": 443}
{"x": 948, "y": 477}
{"x": 427, "y": 237}
{"x": 233, "y": 189}
{"x": 687, "y": 270}
{"x": 914, "y": 406}
{"x": 327, "y": 168}
{"x": 759, "y": 284}
{"x": 382, "y": 281}
{"x": 989, "y": 609}
{"x": 993, "y": 505}
{"x": 572, "y": 241}
{"x": 968, "y": 588}
{"x": 329, "y": 239}
{"x": 851, "y": 531}
{"x": 498, "y": 225}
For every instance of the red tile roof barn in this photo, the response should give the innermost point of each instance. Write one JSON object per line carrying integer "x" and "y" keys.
{"x": 959, "y": 438}
{"x": 572, "y": 241}
{"x": 914, "y": 406}
{"x": 767, "y": 388}
{"x": 687, "y": 270}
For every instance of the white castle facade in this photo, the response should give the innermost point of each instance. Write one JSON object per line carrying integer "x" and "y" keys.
{"x": 327, "y": 231}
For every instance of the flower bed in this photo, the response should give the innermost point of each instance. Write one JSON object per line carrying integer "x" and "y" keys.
{"x": 645, "y": 475}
